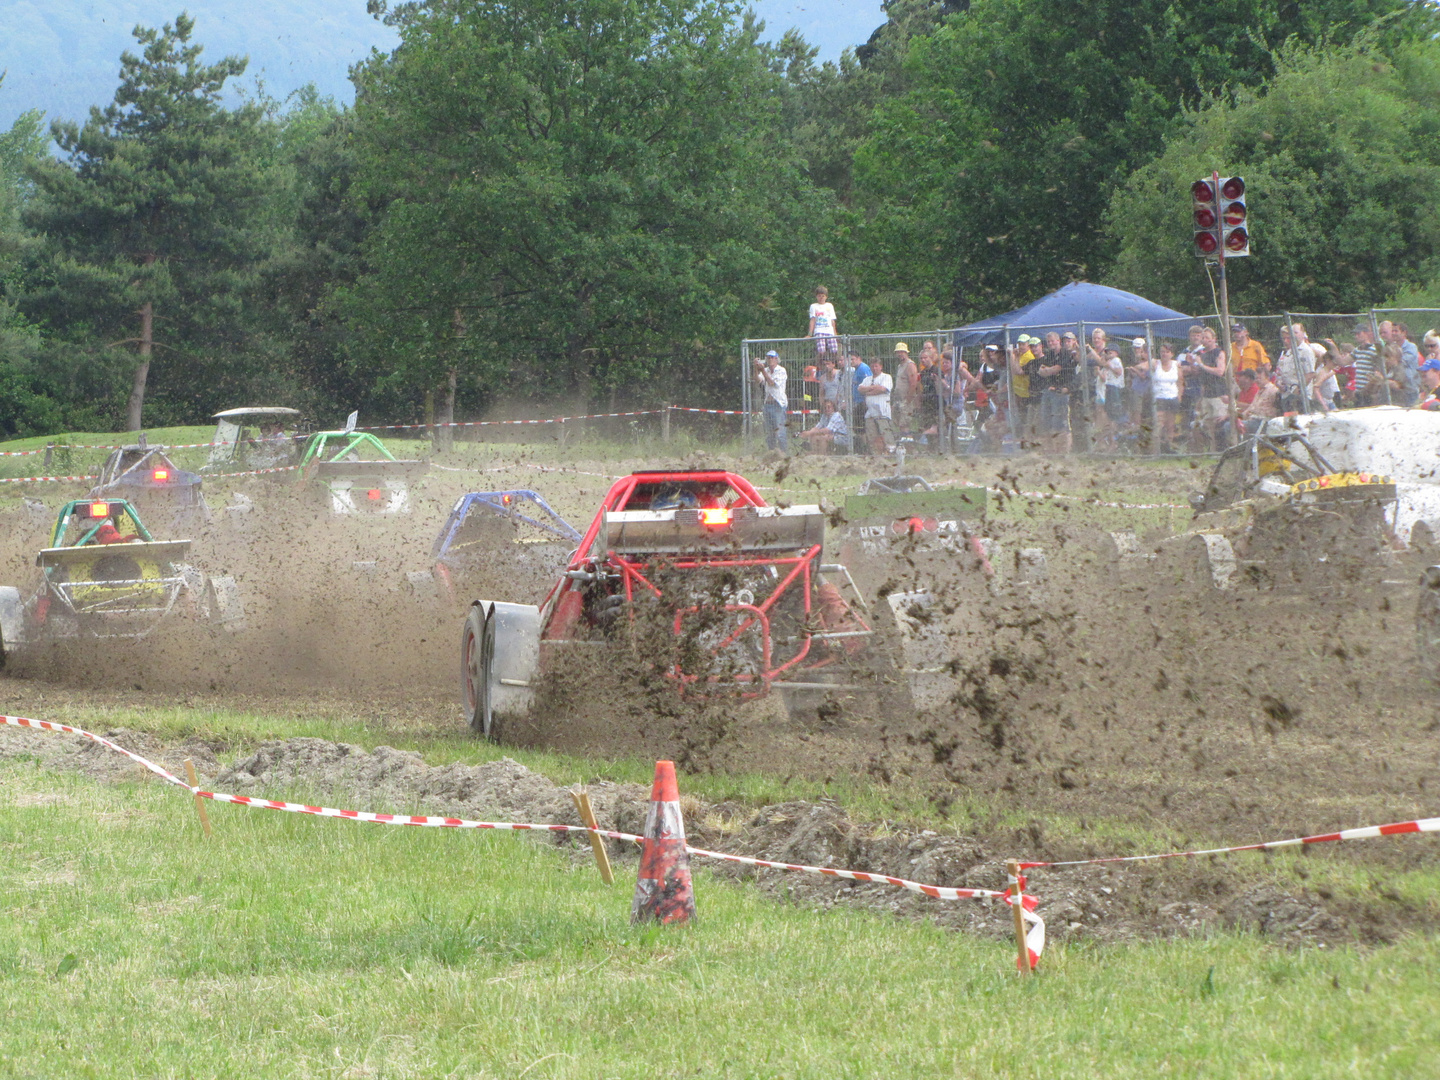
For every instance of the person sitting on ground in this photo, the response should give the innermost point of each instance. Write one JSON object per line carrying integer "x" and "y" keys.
{"x": 1265, "y": 405}
{"x": 1247, "y": 387}
{"x": 830, "y": 433}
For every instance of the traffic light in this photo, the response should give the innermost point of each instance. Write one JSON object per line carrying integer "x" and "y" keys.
{"x": 1234, "y": 223}
{"x": 1206, "y": 218}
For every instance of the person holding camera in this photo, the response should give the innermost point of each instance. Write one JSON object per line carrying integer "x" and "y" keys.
{"x": 770, "y": 373}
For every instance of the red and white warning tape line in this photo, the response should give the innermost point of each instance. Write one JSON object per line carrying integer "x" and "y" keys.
{"x": 1368, "y": 832}
{"x": 44, "y": 479}
{"x": 937, "y": 892}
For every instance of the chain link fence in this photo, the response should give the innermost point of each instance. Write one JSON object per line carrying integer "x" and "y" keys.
{"x": 1113, "y": 388}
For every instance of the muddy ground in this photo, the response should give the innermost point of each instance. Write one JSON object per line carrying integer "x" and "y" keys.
{"x": 1115, "y": 689}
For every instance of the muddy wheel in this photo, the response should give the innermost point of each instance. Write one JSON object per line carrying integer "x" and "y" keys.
{"x": 477, "y": 664}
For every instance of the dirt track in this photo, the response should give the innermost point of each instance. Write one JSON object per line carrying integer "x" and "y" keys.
{"x": 1109, "y": 692}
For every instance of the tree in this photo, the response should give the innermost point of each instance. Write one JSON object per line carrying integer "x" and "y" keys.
{"x": 579, "y": 195}
{"x": 1341, "y": 158}
{"x": 1025, "y": 115}
{"x": 151, "y": 217}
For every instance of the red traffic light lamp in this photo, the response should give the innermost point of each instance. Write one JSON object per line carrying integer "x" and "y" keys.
{"x": 1206, "y": 217}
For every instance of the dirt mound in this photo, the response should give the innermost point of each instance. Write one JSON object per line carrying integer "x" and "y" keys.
{"x": 1104, "y": 903}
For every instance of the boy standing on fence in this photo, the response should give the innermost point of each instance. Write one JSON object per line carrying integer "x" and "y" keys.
{"x": 823, "y": 327}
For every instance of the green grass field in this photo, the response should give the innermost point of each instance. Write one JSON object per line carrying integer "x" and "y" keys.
{"x": 292, "y": 946}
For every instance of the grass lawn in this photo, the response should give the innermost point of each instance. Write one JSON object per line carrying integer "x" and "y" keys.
{"x": 291, "y": 946}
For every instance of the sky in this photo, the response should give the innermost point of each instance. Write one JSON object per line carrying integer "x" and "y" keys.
{"x": 62, "y": 56}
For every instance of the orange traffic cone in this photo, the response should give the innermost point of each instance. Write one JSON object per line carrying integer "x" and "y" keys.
{"x": 663, "y": 891}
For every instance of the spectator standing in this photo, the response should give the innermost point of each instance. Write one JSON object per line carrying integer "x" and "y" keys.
{"x": 1110, "y": 396}
{"x": 1296, "y": 364}
{"x": 858, "y": 371}
{"x": 1058, "y": 372}
{"x": 1249, "y": 354}
{"x": 1213, "y": 390}
{"x": 1368, "y": 390}
{"x": 831, "y": 432}
{"x": 1019, "y": 360}
{"x": 1167, "y": 381}
{"x": 829, "y": 380}
{"x": 1403, "y": 377}
{"x": 1190, "y": 389}
{"x": 907, "y": 387}
{"x": 771, "y": 376}
{"x": 823, "y": 326}
{"x": 879, "y": 425}
{"x": 1142, "y": 394}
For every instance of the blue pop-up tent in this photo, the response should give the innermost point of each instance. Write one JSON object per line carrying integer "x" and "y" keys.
{"x": 1120, "y": 313}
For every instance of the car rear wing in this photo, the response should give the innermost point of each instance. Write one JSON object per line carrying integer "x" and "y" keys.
{"x": 158, "y": 550}
{"x": 741, "y": 529}
{"x": 363, "y": 470}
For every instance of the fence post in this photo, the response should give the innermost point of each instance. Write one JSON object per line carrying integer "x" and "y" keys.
{"x": 49, "y": 449}
{"x": 745, "y": 397}
{"x": 665, "y": 422}
{"x": 1017, "y": 434}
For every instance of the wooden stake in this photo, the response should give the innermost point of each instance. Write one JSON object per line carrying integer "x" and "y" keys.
{"x": 597, "y": 842}
{"x": 1018, "y": 909}
{"x": 199, "y": 802}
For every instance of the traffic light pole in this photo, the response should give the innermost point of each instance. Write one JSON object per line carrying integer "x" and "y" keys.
{"x": 1230, "y": 385}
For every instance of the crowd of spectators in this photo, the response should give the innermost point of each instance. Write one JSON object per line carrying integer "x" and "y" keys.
{"x": 1039, "y": 392}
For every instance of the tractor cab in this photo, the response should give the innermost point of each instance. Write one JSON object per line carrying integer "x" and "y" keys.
{"x": 261, "y": 437}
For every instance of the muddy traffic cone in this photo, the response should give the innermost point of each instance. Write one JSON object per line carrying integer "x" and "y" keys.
{"x": 663, "y": 892}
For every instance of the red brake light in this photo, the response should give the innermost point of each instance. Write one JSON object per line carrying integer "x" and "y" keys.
{"x": 715, "y": 515}
{"x": 373, "y": 494}
{"x": 162, "y": 475}
{"x": 506, "y": 500}
{"x": 99, "y": 510}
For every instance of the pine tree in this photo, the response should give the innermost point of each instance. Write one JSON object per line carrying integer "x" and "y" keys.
{"x": 151, "y": 218}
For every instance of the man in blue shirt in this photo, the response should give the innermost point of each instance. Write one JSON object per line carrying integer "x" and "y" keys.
{"x": 857, "y": 371}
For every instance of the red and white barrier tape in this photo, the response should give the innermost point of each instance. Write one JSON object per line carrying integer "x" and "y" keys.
{"x": 501, "y": 423}
{"x": 1368, "y": 832}
{"x": 937, "y": 892}
{"x": 19, "y": 453}
{"x": 45, "y": 479}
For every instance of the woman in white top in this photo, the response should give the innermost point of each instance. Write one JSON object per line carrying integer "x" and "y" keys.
{"x": 1167, "y": 383}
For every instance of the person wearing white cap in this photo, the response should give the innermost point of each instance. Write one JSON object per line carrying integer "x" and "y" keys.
{"x": 907, "y": 388}
{"x": 771, "y": 375}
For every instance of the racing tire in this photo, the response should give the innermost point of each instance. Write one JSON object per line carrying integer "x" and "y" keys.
{"x": 477, "y": 664}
